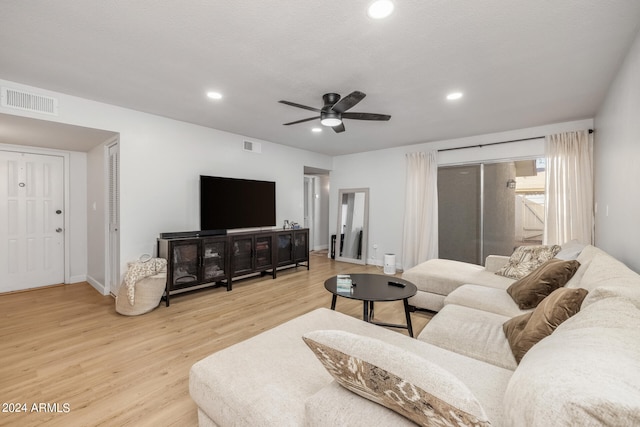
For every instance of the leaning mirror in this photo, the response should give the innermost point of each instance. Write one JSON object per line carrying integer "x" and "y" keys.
{"x": 353, "y": 227}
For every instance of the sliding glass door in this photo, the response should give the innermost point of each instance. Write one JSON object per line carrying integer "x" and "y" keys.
{"x": 459, "y": 213}
{"x": 489, "y": 209}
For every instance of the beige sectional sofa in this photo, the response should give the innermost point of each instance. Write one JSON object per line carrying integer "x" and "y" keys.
{"x": 587, "y": 372}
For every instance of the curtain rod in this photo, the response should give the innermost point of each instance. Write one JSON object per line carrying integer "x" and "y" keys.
{"x": 495, "y": 143}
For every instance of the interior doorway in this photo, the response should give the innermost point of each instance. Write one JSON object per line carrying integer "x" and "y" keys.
{"x": 316, "y": 207}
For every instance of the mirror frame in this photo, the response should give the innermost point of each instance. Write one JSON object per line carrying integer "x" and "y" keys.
{"x": 365, "y": 225}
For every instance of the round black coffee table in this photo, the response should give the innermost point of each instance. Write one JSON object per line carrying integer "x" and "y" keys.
{"x": 370, "y": 288}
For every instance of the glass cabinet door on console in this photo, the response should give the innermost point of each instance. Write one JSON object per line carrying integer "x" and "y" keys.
{"x": 213, "y": 260}
{"x": 285, "y": 247}
{"x": 185, "y": 263}
{"x": 300, "y": 246}
{"x": 242, "y": 254}
{"x": 264, "y": 252}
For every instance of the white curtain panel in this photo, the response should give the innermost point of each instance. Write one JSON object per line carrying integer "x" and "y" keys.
{"x": 569, "y": 192}
{"x": 420, "y": 236}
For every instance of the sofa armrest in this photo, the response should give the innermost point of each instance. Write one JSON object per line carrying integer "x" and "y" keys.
{"x": 494, "y": 263}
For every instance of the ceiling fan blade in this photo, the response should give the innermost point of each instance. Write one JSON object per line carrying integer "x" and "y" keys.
{"x": 293, "y": 104}
{"x": 339, "y": 128}
{"x": 366, "y": 116}
{"x": 348, "y": 102}
{"x": 301, "y": 121}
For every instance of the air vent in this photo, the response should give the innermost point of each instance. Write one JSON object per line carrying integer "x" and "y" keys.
{"x": 254, "y": 147}
{"x": 21, "y": 100}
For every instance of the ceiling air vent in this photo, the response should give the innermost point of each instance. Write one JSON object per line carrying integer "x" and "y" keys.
{"x": 21, "y": 100}
{"x": 254, "y": 147}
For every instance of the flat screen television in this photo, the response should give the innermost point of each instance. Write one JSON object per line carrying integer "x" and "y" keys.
{"x": 228, "y": 203}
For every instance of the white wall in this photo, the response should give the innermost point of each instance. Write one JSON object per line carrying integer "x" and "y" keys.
{"x": 161, "y": 160}
{"x": 383, "y": 172}
{"x": 616, "y": 155}
{"x": 96, "y": 217}
{"x": 77, "y": 217}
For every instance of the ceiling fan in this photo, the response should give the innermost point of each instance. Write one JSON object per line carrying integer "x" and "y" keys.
{"x": 335, "y": 109}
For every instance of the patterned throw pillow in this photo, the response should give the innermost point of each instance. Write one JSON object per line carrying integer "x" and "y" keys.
{"x": 525, "y": 259}
{"x": 400, "y": 380}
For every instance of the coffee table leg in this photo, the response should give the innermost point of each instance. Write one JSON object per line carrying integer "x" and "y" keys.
{"x": 333, "y": 301}
{"x": 365, "y": 311}
{"x": 407, "y": 313}
{"x": 371, "y": 310}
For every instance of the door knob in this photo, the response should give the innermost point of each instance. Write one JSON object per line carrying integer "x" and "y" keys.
{"x": 58, "y": 230}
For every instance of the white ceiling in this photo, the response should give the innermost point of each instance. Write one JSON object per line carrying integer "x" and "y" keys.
{"x": 520, "y": 63}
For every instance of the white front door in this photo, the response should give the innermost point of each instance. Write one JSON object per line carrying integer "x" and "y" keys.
{"x": 32, "y": 220}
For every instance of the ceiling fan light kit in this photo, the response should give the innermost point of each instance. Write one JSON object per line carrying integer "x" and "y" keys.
{"x": 330, "y": 119}
{"x": 335, "y": 109}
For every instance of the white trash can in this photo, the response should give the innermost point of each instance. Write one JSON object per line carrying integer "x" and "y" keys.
{"x": 389, "y": 264}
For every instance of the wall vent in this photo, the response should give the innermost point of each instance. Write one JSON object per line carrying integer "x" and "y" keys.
{"x": 26, "y": 101}
{"x": 254, "y": 147}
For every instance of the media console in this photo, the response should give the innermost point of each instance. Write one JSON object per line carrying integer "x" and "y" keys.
{"x": 195, "y": 259}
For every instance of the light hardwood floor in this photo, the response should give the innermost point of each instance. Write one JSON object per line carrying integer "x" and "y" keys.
{"x": 66, "y": 345}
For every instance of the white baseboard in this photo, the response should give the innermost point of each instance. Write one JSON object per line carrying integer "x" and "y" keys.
{"x": 100, "y": 287}
{"x": 77, "y": 279}
{"x": 321, "y": 247}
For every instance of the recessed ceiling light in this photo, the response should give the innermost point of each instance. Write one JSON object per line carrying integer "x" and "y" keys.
{"x": 316, "y": 130}
{"x": 454, "y": 95}
{"x": 214, "y": 95}
{"x": 380, "y": 9}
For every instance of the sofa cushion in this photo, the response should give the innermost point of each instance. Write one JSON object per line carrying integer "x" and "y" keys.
{"x": 626, "y": 292}
{"x": 524, "y": 331}
{"x": 608, "y": 273}
{"x": 585, "y": 257}
{"x": 528, "y": 291}
{"x": 525, "y": 259}
{"x": 397, "y": 379}
{"x": 442, "y": 276}
{"x": 586, "y": 373}
{"x": 484, "y": 298}
{"x": 348, "y": 409}
{"x": 472, "y": 333}
{"x": 612, "y": 313}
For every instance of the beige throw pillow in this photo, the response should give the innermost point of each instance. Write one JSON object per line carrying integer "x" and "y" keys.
{"x": 397, "y": 379}
{"x": 537, "y": 285}
{"x": 524, "y": 331}
{"x": 525, "y": 259}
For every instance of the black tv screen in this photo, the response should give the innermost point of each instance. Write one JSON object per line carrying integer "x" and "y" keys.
{"x": 227, "y": 203}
